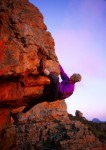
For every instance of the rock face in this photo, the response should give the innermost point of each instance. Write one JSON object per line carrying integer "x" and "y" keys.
{"x": 53, "y": 130}
{"x": 79, "y": 114}
{"x": 26, "y": 47}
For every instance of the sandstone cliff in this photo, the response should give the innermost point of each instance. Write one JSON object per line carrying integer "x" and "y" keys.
{"x": 26, "y": 47}
{"x": 25, "y": 43}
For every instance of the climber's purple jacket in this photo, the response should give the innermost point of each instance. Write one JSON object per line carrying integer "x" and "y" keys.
{"x": 65, "y": 87}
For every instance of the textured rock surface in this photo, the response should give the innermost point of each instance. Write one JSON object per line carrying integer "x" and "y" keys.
{"x": 48, "y": 126}
{"x": 25, "y": 48}
{"x": 7, "y": 131}
{"x": 55, "y": 134}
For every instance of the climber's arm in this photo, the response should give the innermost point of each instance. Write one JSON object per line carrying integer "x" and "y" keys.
{"x": 63, "y": 75}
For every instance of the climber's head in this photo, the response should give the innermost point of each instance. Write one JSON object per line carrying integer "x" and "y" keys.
{"x": 75, "y": 78}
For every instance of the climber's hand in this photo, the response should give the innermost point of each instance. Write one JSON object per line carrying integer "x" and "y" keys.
{"x": 46, "y": 72}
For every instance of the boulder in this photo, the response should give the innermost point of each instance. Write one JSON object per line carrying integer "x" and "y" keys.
{"x": 26, "y": 47}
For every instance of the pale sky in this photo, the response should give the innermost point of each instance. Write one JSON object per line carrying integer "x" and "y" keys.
{"x": 79, "y": 31}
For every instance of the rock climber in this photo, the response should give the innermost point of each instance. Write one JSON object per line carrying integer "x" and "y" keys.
{"x": 59, "y": 90}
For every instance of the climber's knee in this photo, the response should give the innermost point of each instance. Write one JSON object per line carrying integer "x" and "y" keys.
{"x": 54, "y": 78}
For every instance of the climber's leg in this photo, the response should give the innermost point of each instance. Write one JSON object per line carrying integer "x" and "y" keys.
{"x": 53, "y": 95}
{"x": 28, "y": 107}
{"x": 32, "y": 103}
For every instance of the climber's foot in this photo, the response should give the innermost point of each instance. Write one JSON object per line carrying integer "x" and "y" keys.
{"x": 16, "y": 117}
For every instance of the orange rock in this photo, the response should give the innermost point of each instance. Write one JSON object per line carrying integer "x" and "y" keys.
{"x": 33, "y": 91}
{"x": 24, "y": 41}
{"x": 7, "y": 132}
{"x": 10, "y": 91}
{"x": 4, "y": 119}
{"x": 35, "y": 81}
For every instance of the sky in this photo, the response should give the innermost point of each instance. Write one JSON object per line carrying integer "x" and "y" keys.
{"x": 78, "y": 28}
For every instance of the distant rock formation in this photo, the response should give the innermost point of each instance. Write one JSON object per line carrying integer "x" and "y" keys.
{"x": 96, "y": 120}
{"x": 79, "y": 114}
{"x": 25, "y": 48}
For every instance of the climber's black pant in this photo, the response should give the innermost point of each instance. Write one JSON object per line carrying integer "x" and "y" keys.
{"x": 51, "y": 96}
